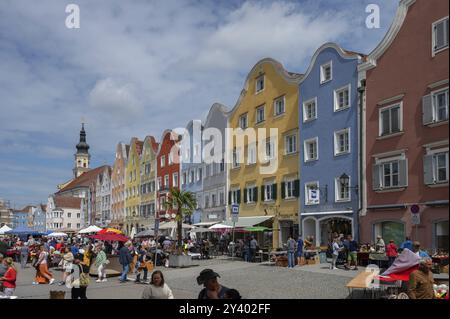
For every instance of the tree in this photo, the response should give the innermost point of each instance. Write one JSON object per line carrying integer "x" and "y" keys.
{"x": 184, "y": 203}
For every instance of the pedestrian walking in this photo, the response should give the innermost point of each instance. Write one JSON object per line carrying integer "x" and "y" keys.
{"x": 352, "y": 253}
{"x": 157, "y": 289}
{"x": 43, "y": 276}
{"x": 391, "y": 252}
{"x": 23, "y": 255}
{"x": 212, "y": 289}
{"x": 335, "y": 254}
{"x": 253, "y": 248}
{"x": 78, "y": 280}
{"x": 9, "y": 278}
{"x": 87, "y": 258}
{"x": 291, "y": 252}
{"x": 100, "y": 262}
{"x": 141, "y": 264}
{"x": 125, "y": 260}
{"x": 67, "y": 264}
{"x": 300, "y": 244}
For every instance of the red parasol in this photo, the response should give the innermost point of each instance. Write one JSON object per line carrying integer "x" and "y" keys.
{"x": 110, "y": 237}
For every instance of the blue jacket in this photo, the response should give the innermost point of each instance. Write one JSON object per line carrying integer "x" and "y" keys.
{"x": 124, "y": 256}
{"x": 407, "y": 244}
{"x": 300, "y": 246}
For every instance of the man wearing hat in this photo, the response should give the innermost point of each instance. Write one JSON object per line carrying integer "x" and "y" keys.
{"x": 419, "y": 252}
{"x": 212, "y": 290}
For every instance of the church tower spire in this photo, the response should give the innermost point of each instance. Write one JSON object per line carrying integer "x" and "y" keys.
{"x": 82, "y": 155}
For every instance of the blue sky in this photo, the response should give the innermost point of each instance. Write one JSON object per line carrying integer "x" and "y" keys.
{"x": 135, "y": 68}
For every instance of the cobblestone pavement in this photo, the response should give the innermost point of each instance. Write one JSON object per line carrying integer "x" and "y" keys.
{"x": 252, "y": 280}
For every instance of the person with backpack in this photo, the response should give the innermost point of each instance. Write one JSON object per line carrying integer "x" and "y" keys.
{"x": 78, "y": 280}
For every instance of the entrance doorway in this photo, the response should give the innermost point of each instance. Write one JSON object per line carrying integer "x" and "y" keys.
{"x": 332, "y": 226}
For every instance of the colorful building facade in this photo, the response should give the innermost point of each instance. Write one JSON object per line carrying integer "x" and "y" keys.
{"x": 329, "y": 145}
{"x": 118, "y": 186}
{"x": 148, "y": 183}
{"x": 406, "y": 131}
{"x": 269, "y": 101}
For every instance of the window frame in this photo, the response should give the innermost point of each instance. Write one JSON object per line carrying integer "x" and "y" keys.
{"x": 306, "y": 142}
{"x": 283, "y": 98}
{"x": 305, "y": 111}
{"x": 266, "y": 187}
{"x": 175, "y": 178}
{"x": 242, "y": 116}
{"x": 162, "y": 161}
{"x": 286, "y": 144}
{"x": 400, "y": 117}
{"x": 307, "y": 187}
{"x": 337, "y": 190}
{"x": 251, "y": 150}
{"x": 433, "y": 37}
{"x": 336, "y": 92}
{"x": 258, "y": 108}
{"x": 257, "y": 79}
{"x": 288, "y": 182}
{"x": 322, "y": 66}
{"x": 337, "y": 152}
{"x": 436, "y": 168}
{"x": 435, "y": 107}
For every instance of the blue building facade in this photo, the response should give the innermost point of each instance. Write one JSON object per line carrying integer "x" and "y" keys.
{"x": 329, "y": 147}
{"x": 39, "y": 218}
{"x": 191, "y": 166}
{"x": 20, "y": 219}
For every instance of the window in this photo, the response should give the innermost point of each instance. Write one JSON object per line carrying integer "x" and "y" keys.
{"x": 342, "y": 98}
{"x": 435, "y": 107}
{"x": 222, "y": 198}
{"x": 390, "y": 119}
{"x": 436, "y": 168}
{"x": 390, "y": 173}
{"x": 166, "y": 181}
{"x": 163, "y": 161}
{"x": 69, "y": 215}
{"x": 259, "y": 84}
{"x": 279, "y": 106}
{"x": 236, "y": 158}
{"x": 206, "y": 201}
{"x": 250, "y": 191}
{"x": 170, "y": 158}
{"x": 243, "y": 121}
{"x": 312, "y": 194}
{"x": 440, "y": 35}
{"x": 159, "y": 183}
{"x": 269, "y": 190}
{"x": 78, "y": 226}
{"x": 199, "y": 174}
{"x": 310, "y": 110}
{"x": 222, "y": 165}
{"x": 342, "y": 192}
{"x": 78, "y": 215}
{"x": 183, "y": 178}
{"x": 260, "y": 114}
{"x": 251, "y": 154}
{"x": 289, "y": 189}
{"x": 326, "y": 73}
{"x": 175, "y": 179}
{"x": 270, "y": 148}
{"x": 191, "y": 176}
{"x": 290, "y": 144}
{"x": 69, "y": 225}
{"x": 235, "y": 196}
{"x": 311, "y": 149}
{"x": 213, "y": 200}
{"x": 342, "y": 142}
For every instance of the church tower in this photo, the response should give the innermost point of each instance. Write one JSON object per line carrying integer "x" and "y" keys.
{"x": 82, "y": 156}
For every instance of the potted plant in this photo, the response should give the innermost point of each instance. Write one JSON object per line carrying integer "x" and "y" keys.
{"x": 184, "y": 203}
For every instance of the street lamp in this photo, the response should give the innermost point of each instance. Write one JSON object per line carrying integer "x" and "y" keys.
{"x": 344, "y": 179}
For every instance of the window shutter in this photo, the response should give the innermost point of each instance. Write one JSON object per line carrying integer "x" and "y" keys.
{"x": 283, "y": 191}
{"x": 262, "y": 193}
{"x": 255, "y": 194}
{"x": 238, "y": 196}
{"x": 376, "y": 182}
{"x": 403, "y": 172}
{"x": 297, "y": 188}
{"x": 245, "y": 195}
{"x": 274, "y": 191}
{"x": 229, "y": 198}
{"x": 427, "y": 109}
{"x": 428, "y": 169}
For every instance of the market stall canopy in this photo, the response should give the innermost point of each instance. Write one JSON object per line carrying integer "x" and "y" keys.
{"x": 248, "y": 221}
{"x": 109, "y": 230}
{"x": 22, "y": 230}
{"x": 145, "y": 233}
{"x": 90, "y": 229}
{"x": 173, "y": 224}
{"x": 257, "y": 229}
{"x": 201, "y": 230}
{"x": 4, "y": 229}
{"x": 220, "y": 226}
{"x": 205, "y": 224}
{"x": 110, "y": 237}
{"x": 56, "y": 234}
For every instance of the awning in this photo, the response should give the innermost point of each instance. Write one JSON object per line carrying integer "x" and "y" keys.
{"x": 339, "y": 212}
{"x": 205, "y": 224}
{"x": 248, "y": 221}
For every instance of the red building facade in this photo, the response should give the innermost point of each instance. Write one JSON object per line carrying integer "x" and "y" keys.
{"x": 168, "y": 173}
{"x": 406, "y": 128}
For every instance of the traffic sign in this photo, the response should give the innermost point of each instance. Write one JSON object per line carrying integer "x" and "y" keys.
{"x": 234, "y": 213}
{"x": 415, "y": 219}
{"x": 415, "y": 209}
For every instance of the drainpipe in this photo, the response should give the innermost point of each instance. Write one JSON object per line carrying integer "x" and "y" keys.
{"x": 361, "y": 91}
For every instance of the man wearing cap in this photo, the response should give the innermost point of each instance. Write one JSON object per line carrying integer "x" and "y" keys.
{"x": 418, "y": 251}
{"x": 212, "y": 290}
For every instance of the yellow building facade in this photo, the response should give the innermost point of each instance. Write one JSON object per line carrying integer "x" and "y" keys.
{"x": 268, "y": 104}
{"x": 132, "y": 186}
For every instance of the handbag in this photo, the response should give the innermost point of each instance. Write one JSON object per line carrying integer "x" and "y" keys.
{"x": 84, "y": 278}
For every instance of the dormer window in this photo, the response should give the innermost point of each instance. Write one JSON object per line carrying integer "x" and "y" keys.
{"x": 259, "y": 83}
{"x": 326, "y": 73}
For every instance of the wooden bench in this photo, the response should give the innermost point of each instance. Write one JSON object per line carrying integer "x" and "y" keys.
{"x": 362, "y": 281}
